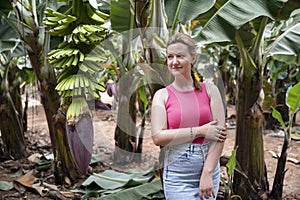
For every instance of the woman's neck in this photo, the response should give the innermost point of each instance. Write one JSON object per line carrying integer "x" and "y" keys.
{"x": 183, "y": 84}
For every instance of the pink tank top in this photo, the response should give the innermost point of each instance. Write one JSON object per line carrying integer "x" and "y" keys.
{"x": 188, "y": 109}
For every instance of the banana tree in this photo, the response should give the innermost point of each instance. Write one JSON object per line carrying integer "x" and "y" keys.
{"x": 285, "y": 52}
{"x": 12, "y": 124}
{"x": 12, "y": 111}
{"x": 78, "y": 61}
{"x": 238, "y": 23}
{"x": 283, "y": 68}
{"x": 28, "y": 26}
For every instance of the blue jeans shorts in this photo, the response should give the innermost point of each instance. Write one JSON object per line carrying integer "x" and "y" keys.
{"x": 183, "y": 165}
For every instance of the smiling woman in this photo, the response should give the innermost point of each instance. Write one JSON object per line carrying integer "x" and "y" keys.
{"x": 188, "y": 120}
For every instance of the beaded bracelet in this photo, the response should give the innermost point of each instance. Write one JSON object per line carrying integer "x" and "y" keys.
{"x": 191, "y": 134}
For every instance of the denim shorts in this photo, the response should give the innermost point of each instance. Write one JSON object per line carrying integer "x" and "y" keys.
{"x": 183, "y": 165}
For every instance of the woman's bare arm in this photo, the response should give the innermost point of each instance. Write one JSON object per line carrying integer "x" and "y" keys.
{"x": 215, "y": 151}
{"x": 163, "y": 137}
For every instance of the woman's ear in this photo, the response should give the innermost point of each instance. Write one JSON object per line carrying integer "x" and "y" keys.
{"x": 194, "y": 59}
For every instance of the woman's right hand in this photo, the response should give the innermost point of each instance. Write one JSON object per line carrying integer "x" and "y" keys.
{"x": 212, "y": 131}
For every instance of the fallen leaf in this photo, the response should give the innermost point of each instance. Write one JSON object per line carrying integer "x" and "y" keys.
{"x": 27, "y": 180}
{"x": 5, "y": 185}
{"x": 40, "y": 189}
{"x": 68, "y": 194}
{"x": 50, "y": 186}
{"x": 34, "y": 157}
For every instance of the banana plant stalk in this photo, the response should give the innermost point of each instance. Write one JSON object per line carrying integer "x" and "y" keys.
{"x": 77, "y": 61}
{"x": 293, "y": 102}
{"x": 36, "y": 42}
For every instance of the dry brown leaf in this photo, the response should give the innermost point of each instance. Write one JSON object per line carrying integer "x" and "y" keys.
{"x": 40, "y": 189}
{"x": 27, "y": 180}
{"x": 34, "y": 157}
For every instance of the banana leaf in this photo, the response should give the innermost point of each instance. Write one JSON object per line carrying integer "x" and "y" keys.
{"x": 121, "y": 16}
{"x": 293, "y": 98}
{"x": 152, "y": 190}
{"x": 222, "y": 26}
{"x": 185, "y": 10}
{"x": 111, "y": 180}
{"x": 286, "y": 48}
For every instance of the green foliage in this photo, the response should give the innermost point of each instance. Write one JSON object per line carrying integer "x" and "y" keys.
{"x": 183, "y": 11}
{"x": 278, "y": 116}
{"x": 235, "y": 13}
{"x": 5, "y": 185}
{"x": 121, "y": 15}
{"x": 293, "y": 99}
{"x": 111, "y": 184}
{"x": 231, "y": 164}
{"x": 293, "y": 102}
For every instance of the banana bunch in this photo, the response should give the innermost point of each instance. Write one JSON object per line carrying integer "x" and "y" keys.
{"x": 94, "y": 15}
{"x": 60, "y": 24}
{"x": 79, "y": 84}
{"x": 92, "y": 64}
{"x": 65, "y": 58}
{"x": 88, "y": 34}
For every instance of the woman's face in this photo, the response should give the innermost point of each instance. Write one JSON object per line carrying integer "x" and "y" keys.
{"x": 179, "y": 59}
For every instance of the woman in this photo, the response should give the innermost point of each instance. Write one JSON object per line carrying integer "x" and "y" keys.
{"x": 188, "y": 119}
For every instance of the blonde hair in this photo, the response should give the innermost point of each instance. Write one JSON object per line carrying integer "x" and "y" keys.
{"x": 190, "y": 43}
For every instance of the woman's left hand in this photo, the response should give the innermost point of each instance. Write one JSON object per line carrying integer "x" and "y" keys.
{"x": 206, "y": 188}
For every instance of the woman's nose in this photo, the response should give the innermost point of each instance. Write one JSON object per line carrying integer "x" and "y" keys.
{"x": 175, "y": 60}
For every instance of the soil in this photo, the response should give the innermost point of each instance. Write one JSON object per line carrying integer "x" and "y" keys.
{"x": 38, "y": 141}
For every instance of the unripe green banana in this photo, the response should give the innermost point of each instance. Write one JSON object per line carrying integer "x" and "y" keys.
{"x": 75, "y": 61}
{"x": 61, "y": 64}
{"x": 49, "y": 23}
{"x": 101, "y": 14}
{"x": 81, "y": 57}
{"x": 90, "y": 28}
{"x": 82, "y": 38}
{"x": 54, "y": 19}
{"x": 92, "y": 15}
{"x": 68, "y": 19}
{"x": 70, "y": 61}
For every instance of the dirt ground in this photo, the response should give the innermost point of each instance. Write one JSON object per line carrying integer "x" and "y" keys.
{"x": 104, "y": 125}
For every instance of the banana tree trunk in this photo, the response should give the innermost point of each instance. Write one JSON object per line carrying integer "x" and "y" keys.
{"x": 251, "y": 179}
{"x": 11, "y": 127}
{"x": 277, "y": 188}
{"x": 125, "y": 132}
{"x": 36, "y": 42}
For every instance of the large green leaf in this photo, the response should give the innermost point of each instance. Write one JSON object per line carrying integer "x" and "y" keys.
{"x": 139, "y": 192}
{"x": 286, "y": 47}
{"x": 232, "y": 15}
{"x": 185, "y": 10}
{"x": 9, "y": 40}
{"x": 121, "y": 15}
{"x": 293, "y": 98}
{"x": 110, "y": 179}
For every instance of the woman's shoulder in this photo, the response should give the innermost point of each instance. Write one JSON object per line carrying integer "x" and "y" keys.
{"x": 211, "y": 88}
{"x": 161, "y": 92}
